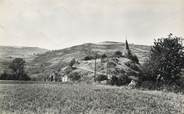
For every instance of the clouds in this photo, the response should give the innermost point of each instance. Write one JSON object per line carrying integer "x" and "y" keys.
{"x": 57, "y": 24}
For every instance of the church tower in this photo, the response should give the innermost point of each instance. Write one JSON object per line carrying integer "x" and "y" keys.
{"x": 126, "y": 45}
{"x": 127, "y": 51}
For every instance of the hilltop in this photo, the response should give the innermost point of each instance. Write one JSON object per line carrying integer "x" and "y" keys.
{"x": 57, "y": 60}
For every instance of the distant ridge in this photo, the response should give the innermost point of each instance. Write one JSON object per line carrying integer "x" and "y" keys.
{"x": 109, "y": 42}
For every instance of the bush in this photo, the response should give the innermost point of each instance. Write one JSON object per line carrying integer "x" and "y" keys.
{"x": 104, "y": 56}
{"x": 68, "y": 70}
{"x": 121, "y": 80}
{"x": 72, "y": 62}
{"x": 25, "y": 77}
{"x": 132, "y": 65}
{"x": 101, "y": 78}
{"x": 74, "y": 76}
{"x": 134, "y": 58}
{"x": 147, "y": 73}
{"x": 118, "y": 54}
{"x": 113, "y": 80}
{"x": 88, "y": 58}
{"x": 6, "y": 76}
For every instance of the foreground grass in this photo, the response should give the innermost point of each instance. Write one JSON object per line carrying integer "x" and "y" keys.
{"x": 85, "y": 99}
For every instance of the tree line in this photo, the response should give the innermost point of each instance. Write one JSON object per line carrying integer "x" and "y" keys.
{"x": 15, "y": 71}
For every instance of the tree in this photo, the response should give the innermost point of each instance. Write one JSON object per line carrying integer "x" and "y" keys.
{"x": 101, "y": 77}
{"x": 166, "y": 59}
{"x": 103, "y": 56}
{"x": 72, "y": 62}
{"x": 17, "y": 67}
{"x": 134, "y": 58}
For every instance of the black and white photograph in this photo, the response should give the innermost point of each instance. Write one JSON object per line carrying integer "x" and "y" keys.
{"x": 91, "y": 56}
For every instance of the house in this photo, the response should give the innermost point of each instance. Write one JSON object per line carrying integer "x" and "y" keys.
{"x": 64, "y": 78}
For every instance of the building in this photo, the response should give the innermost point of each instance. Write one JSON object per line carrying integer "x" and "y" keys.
{"x": 64, "y": 78}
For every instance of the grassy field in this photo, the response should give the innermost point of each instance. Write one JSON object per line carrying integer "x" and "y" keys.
{"x": 57, "y": 98}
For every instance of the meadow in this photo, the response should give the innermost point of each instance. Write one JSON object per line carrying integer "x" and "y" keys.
{"x": 81, "y": 98}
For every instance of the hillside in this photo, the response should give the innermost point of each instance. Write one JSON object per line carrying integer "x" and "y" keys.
{"x": 8, "y": 53}
{"x": 56, "y": 60}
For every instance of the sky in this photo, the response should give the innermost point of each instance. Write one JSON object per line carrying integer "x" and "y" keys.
{"x": 57, "y": 24}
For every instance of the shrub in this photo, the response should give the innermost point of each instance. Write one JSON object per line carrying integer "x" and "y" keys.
{"x": 113, "y": 80}
{"x": 6, "y": 76}
{"x": 74, "y": 76}
{"x": 134, "y": 58}
{"x": 121, "y": 80}
{"x": 88, "y": 58}
{"x": 132, "y": 65}
{"x": 118, "y": 54}
{"x": 101, "y": 77}
{"x": 25, "y": 77}
{"x": 104, "y": 56}
{"x": 72, "y": 62}
{"x": 68, "y": 70}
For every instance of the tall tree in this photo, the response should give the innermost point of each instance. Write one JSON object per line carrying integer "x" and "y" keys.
{"x": 166, "y": 59}
{"x": 17, "y": 66}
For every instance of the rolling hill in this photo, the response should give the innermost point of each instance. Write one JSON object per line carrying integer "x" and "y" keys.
{"x": 56, "y": 60}
{"x": 8, "y": 53}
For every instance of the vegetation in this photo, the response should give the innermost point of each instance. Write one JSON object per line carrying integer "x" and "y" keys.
{"x": 7, "y": 76}
{"x": 91, "y": 57}
{"x": 74, "y": 76}
{"x": 164, "y": 66}
{"x": 16, "y": 71}
{"x": 101, "y": 78}
{"x": 72, "y": 62}
{"x": 87, "y": 99}
{"x": 119, "y": 80}
{"x": 86, "y": 58}
{"x": 118, "y": 54}
{"x": 133, "y": 66}
{"x": 104, "y": 56}
{"x": 166, "y": 60}
{"x": 134, "y": 58}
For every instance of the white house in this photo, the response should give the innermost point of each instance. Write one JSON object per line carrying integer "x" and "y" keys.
{"x": 64, "y": 78}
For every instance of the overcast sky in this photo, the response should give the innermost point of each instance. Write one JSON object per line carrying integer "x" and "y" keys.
{"x": 56, "y": 24}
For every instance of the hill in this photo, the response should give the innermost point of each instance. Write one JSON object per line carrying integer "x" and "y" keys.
{"x": 56, "y": 60}
{"x": 8, "y": 53}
